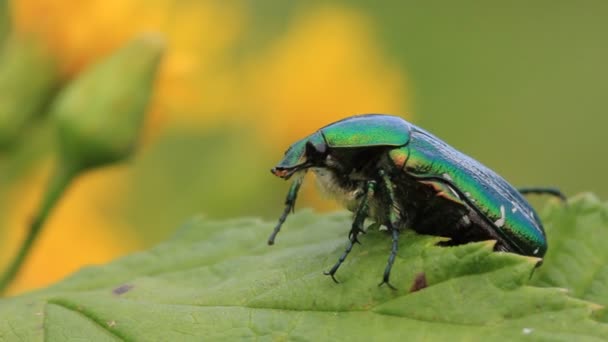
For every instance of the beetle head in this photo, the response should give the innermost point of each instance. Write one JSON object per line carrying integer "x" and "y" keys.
{"x": 301, "y": 155}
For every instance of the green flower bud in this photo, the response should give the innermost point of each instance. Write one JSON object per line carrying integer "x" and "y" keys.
{"x": 100, "y": 114}
{"x": 28, "y": 78}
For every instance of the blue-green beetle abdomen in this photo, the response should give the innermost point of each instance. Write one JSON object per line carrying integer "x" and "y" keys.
{"x": 495, "y": 200}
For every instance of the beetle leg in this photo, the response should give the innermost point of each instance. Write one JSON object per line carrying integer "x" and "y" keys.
{"x": 362, "y": 211}
{"x": 334, "y": 269}
{"x": 391, "y": 260}
{"x": 360, "y": 216}
{"x": 392, "y": 225}
{"x": 354, "y": 232}
{"x": 290, "y": 203}
{"x": 544, "y": 191}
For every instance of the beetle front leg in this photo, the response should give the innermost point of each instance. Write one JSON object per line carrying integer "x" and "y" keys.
{"x": 357, "y": 227}
{"x": 290, "y": 203}
{"x": 392, "y": 225}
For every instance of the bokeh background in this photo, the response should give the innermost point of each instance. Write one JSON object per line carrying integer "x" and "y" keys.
{"x": 521, "y": 86}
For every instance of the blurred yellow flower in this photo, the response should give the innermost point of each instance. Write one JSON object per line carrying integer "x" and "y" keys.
{"x": 327, "y": 66}
{"x": 82, "y": 31}
{"x": 198, "y": 34}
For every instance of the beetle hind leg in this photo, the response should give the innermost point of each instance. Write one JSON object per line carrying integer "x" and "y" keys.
{"x": 543, "y": 191}
{"x": 391, "y": 260}
{"x": 392, "y": 225}
{"x": 357, "y": 227}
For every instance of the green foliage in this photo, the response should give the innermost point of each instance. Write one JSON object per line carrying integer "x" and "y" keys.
{"x": 219, "y": 280}
{"x": 577, "y": 259}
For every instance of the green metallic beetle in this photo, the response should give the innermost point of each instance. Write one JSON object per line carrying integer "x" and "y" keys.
{"x": 384, "y": 168}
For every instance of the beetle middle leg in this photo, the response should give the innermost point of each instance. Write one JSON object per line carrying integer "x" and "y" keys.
{"x": 362, "y": 211}
{"x": 392, "y": 225}
{"x": 357, "y": 227}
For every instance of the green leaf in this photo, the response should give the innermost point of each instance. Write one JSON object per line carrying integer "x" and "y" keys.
{"x": 577, "y": 259}
{"x": 219, "y": 280}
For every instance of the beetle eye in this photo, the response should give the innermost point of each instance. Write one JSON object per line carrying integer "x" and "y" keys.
{"x": 312, "y": 153}
{"x": 310, "y": 149}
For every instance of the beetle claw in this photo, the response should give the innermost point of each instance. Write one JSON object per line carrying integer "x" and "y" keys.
{"x": 385, "y": 281}
{"x": 352, "y": 235}
{"x": 354, "y": 239}
{"x": 332, "y": 277}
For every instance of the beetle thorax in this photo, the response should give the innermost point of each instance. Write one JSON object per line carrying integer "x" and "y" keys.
{"x": 340, "y": 179}
{"x": 334, "y": 187}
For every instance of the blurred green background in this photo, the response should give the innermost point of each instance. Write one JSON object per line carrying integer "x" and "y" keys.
{"x": 519, "y": 86}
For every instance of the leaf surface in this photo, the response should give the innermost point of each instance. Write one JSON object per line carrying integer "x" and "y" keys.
{"x": 577, "y": 260}
{"x": 219, "y": 280}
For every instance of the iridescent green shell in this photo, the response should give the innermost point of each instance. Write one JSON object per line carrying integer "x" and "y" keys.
{"x": 487, "y": 192}
{"x": 358, "y": 131}
{"x": 367, "y": 131}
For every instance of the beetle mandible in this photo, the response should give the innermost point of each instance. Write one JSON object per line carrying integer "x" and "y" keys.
{"x": 399, "y": 175}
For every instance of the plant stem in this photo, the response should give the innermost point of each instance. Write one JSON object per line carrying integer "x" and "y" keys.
{"x": 58, "y": 183}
